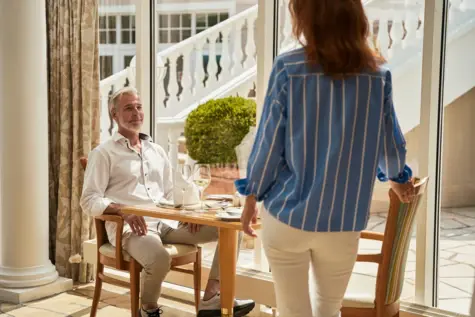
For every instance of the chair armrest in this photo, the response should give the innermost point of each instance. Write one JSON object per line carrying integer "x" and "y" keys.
{"x": 119, "y": 258}
{"x": 373, "y": 258}
{"x": 115, "y": 218}
{"x": 370, "y": 235}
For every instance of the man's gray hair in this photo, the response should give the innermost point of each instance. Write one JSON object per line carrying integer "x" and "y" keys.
{"x": 114, "y": 99}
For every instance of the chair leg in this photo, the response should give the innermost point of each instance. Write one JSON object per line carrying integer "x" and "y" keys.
{"x": 135, "y": 269}
{"x": 97, "y": 289}
{"x": 197, "y": 279}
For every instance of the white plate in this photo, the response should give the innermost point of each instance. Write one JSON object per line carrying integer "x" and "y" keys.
{"x": 228, "y": 217}
{"x": 220, "y": 197}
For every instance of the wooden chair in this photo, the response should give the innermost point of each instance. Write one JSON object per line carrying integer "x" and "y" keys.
{"x": 391, "y": 260}
{"x": 116, "y": 258}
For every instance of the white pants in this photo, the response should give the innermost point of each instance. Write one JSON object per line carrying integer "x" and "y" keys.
{"x": 290, "y": 252}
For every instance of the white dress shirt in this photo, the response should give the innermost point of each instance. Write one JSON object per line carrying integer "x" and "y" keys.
{"x": 118, "y": 173}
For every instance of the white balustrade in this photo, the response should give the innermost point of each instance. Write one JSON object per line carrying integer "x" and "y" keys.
{"x": 201, "y": 64}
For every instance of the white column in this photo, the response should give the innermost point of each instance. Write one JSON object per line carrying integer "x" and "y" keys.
{"x": 24, "y": 146}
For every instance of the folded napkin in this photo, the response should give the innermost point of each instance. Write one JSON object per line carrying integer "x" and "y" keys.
{"x": 243, "y": 151}
{"x": 191, "y": 192}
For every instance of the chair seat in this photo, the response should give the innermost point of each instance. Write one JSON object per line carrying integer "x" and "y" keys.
{"x": 360, "y": 292}
{"x": 175, "y": 250}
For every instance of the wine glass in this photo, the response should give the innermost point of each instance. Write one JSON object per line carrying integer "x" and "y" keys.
{"x": 185, "y": 171}
{"x": 202, "y": 179}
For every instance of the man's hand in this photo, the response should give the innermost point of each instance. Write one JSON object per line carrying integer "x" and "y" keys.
{"x": 405, "y": 192}
{"x": 192, "y": 227}
{"x": 249, "y": 215}
{"x": 136, "y": 223}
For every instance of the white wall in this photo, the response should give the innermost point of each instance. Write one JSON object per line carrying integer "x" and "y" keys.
{"x": 459, "y": 78}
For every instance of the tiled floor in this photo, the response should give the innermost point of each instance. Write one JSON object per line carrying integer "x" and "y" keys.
{"x": 457, "y": 276}
{"x": 115, "y": 302}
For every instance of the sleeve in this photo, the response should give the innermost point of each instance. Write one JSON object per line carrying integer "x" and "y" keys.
{"x": 392, "y": 158}
{"x": 96, "y": 180}
{"x": 267, "y": 155}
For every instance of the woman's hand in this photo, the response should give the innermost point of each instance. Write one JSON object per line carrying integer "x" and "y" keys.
{"x": 405, "y": 192}
{"x": 249, "y": 215}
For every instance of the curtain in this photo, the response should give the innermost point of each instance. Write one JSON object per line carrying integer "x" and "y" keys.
{"x": 74, "y": 125}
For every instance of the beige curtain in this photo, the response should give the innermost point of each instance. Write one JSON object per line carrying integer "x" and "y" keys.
{"x": 74, "y": 125}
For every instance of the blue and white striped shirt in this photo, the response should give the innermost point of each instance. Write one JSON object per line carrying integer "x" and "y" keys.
{"x": 320, "y": 145}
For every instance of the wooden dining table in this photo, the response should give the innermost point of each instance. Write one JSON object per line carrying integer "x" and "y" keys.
{"x": 228, "y": 235}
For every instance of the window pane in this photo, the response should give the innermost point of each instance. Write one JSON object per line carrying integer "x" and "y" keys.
{"x": 212, "y": 19}
{"x": 125, "y": 37}
{"x": 175, "y": 20}
{"x": 112, "y": 37}
{"x": 201, "y": 21}
{"x": 102, "y": 22}
{"x": 223, "y": 16}
{"x": 457, "y": 192}
{"x": 103, "y": 37}
{"x": 198, "y": 30}
{"x": 111, "y": 50}
{"x": 174, "y": 36}
{"x": 163, "y": 20}
{"x": 163, "y": 36}
{"x": 111, "y": 24}
{"x": 125, "y": 20}
{"x": 105, "y": 66}
{"x": 185, "y": 34}
{"x": 186, "y": 20}
{"x": 127, "y": 60}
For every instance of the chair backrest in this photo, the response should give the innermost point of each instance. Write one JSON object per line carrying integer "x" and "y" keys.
{"x": 397, "y": 238}
{"x": 83, "y": 161}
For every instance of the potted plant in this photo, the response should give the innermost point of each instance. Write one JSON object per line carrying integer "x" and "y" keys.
{"x": 212, "y": 132}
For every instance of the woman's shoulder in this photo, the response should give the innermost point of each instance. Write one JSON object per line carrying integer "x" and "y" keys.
{"x": 296, "y": 55}
{"x": 382, "y": 71}
{"x": 295, "y": 63}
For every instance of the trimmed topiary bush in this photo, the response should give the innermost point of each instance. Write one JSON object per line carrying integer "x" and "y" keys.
{"x": 215, "y": 128}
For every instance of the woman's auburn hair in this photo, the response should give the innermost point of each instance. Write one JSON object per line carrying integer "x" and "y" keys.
{"x": 335, "y": 34}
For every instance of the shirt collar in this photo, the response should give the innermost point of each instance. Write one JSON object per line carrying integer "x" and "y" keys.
{"x": 142, "y": 136}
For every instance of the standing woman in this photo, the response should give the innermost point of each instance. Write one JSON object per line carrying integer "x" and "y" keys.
{"x": 327, "y": 131}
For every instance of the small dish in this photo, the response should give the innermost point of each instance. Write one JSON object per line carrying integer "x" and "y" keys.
{"x": 225, "y": 216}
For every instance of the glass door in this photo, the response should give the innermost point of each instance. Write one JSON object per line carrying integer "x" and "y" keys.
{"x": 457, "y": 189}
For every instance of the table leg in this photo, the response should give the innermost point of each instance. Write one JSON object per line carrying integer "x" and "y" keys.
{"x": 227, "y": 269}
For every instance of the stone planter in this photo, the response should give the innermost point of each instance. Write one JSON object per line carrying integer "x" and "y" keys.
{"x": 222, "y": 180}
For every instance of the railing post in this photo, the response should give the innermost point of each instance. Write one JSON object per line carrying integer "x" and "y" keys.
{"x": 250, "y": 42}
{"x": 173, "y": 135}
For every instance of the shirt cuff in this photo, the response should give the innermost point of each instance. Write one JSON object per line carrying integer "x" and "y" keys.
{"x": 100, "y": 206}
{"x": 242, "y": 186}
{"x": 402, "y": 178}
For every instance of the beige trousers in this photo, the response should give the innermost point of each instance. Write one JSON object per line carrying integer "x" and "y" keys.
{"x": 291, "y": 253}
{"x": 148, "y": 250}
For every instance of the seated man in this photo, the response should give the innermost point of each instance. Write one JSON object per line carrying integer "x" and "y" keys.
{"x": 129, "y": 169}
